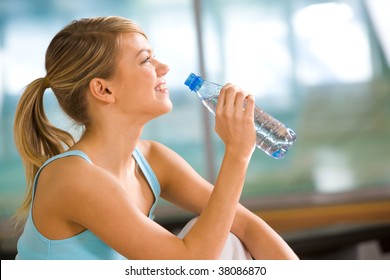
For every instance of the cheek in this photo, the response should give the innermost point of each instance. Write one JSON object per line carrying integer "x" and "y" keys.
{"x": 150, "y": 73}
{"x": 143, "y": 83}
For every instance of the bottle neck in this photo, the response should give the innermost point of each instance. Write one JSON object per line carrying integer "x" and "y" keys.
{"x": 208, "y": 89}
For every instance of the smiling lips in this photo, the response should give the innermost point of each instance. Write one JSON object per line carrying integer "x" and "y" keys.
{"x": 162, "y": 87}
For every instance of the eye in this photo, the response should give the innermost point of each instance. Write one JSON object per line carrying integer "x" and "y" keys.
{"x": 147, "y": 59}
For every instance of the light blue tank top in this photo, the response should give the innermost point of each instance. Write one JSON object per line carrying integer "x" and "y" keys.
{"x": 86, "y": 245}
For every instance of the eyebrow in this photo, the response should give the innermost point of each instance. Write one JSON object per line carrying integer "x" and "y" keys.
{"x": 142, "y": 51}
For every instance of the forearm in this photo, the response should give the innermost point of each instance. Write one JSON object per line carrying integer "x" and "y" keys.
{"x": 259, "y": 238}
{"x": 217, "y": 217}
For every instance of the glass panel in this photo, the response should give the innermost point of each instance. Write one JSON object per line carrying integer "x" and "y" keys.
{"x": 343, "y": 117}
{"x": 331, "y": 37}
{"x": 378, "y": 9}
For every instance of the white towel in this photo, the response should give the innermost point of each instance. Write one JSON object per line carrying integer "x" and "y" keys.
{"x": 233, "y": 249}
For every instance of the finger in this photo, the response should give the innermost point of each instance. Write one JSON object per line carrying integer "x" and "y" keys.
{"x": 225, "y": 97}
{"x": 230, "y": 94}
{"x": 221, "y": 98}
{"x": 240, "y": 100}
{"x": 250, "y": 105}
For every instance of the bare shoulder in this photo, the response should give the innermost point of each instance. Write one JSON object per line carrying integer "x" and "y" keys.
{"x": 74, "y": 185}
{"x": 72, "y": 171}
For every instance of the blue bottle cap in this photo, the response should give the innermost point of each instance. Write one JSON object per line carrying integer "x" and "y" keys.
{"x": 194, "y": 82}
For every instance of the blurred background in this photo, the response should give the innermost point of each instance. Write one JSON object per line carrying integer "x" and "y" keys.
{"x": 321, "y": 67}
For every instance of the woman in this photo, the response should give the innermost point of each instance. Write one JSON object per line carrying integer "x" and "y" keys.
{"x": 94, "y": 198}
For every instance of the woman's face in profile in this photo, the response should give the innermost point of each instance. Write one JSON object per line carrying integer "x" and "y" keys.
{"x": 138, "y": 82}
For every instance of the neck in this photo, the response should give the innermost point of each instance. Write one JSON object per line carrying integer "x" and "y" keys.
{"x": 111, "y": 148}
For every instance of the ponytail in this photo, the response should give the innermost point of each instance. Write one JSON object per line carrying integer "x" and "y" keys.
{"x": 36, "y": 138}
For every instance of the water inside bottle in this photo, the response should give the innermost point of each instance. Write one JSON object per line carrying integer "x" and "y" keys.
{"x": 273, "y": 137}
{"x": 210, "y": 102}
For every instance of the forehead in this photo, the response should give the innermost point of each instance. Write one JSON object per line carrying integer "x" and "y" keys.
{"x": 133, "y": 43}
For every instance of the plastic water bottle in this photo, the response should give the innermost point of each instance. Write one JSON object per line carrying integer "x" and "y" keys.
{"x": 273, "y": 137}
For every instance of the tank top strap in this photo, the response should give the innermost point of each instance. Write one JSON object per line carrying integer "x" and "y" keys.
{"x": 65, "y": 154}
{"x": 150, "y": 177}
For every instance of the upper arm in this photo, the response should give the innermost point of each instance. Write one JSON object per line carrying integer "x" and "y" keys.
{"x": 180, "y": 183}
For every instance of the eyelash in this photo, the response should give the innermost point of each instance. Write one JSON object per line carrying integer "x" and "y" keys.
{"x": 148, "y": 59}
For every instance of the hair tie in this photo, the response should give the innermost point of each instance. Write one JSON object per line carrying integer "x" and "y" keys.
{"x": 46, "y": 82}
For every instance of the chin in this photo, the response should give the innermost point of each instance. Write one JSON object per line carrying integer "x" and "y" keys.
{"x": 169, "y": 107}
{"x": 164, "y": 109}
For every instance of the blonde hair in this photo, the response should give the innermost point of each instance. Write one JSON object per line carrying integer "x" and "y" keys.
{"x": 84, "y": 49}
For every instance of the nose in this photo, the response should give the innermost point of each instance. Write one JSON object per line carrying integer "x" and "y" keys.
{"x": 161, "y": 68}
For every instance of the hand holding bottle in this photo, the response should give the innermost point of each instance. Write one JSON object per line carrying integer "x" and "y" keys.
{"x": 234, "y": 124}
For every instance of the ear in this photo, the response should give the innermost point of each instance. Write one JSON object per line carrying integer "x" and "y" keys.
{"x": 99, "y": 89}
